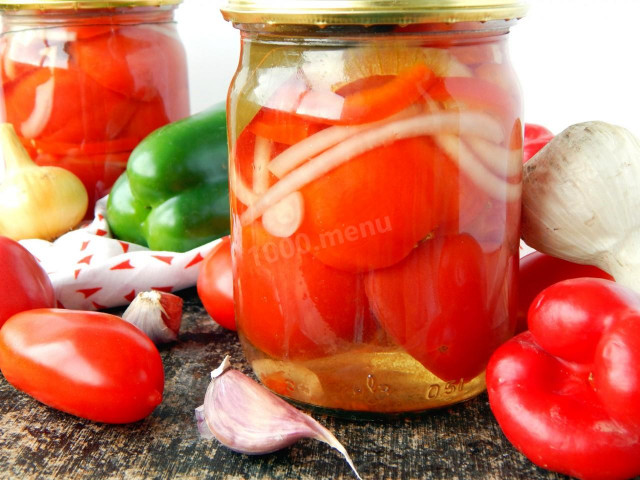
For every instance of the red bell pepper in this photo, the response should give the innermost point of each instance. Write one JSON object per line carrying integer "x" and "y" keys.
{"x": 24, "y": 285}
{"x": 539, "y": 271}
{"x": 567, "y": 392}
{"x": 535, "y": 137}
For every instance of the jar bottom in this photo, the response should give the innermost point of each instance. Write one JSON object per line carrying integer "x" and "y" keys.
{"x": 367, "y": 383}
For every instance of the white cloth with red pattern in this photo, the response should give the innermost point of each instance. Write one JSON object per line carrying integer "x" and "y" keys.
{"x": 91, "y": 270}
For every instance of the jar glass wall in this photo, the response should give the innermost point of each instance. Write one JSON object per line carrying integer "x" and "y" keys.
{"x": 82, "y": 86}
{"x": 375, "y": 180}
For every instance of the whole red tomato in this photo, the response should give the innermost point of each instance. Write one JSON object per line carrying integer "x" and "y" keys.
{"x": 24, "y": 285}
{"x": 291, "y": 305}
{"x": 539, "y": 271}
{"x": 215, "y": 285}
{"x": 89, "y": 364}
{"x": 433, "y": 304}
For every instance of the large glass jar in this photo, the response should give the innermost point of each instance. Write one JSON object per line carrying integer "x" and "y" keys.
{"x": 84, "y": 81}
{"x": 375, "y": 174}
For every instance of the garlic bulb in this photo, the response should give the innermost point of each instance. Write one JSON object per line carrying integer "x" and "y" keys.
{"x": 581, "y": 199}
{"x": 247, "y": 418}
{"x": 36, "y": 202}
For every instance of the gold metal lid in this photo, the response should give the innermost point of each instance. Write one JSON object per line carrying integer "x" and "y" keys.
{"x": 80, "y": 4}
{"x": 370, "y": 12}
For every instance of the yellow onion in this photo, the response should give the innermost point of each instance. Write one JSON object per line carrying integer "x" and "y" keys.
{"x": 36, "y": 202}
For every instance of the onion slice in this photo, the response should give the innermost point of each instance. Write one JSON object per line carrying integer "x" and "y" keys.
{"x": 285, "y": 217}
{"x": 425, "y": 124}
{"x": 477, "y": 172}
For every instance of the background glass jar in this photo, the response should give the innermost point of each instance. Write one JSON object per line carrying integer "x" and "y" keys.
{"x": 84, "y": 82}
{"x": 375, "y": 177}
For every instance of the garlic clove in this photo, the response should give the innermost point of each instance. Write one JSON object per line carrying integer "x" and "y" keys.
{"x": 247, "y": 418}
{"x": 157, "y": 314}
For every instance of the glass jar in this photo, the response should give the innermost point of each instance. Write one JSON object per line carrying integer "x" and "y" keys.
{"x": 375, "y": 176}
{"x": 83, "y": 82}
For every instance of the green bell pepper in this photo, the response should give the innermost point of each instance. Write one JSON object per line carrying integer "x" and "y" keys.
{"x": 174, "y": 195}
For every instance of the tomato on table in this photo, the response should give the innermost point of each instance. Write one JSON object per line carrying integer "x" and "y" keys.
{"x": 433, "y": 304}
{"x": 23, "y": 282}
{"x": 291, "y": 305}
{"x": 354, "y": 227}
{"x": 215, "y": 285}
{"x": 89, "y": 364}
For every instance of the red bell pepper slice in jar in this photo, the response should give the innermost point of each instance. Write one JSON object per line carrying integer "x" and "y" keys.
{"x": 364, "y": 100}
{"x": 433, "y": 304}
{"x": 290, "y": 305}
{"x": 567, "y": 392}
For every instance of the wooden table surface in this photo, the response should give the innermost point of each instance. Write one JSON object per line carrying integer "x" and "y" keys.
{"x": 460, "y": 442}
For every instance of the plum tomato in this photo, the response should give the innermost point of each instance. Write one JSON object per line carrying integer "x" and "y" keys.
{"x": 23, "y": 282}
{"x": 291, "y": 305}
{"x": 90, "y": 364}
{"x": 354, "y": 227}
{"x": 433, "y": 305}
{"x": 215, "y": 285}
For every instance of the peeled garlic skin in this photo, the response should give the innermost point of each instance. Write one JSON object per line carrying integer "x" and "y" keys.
{"x": 41, "y": 202}
{"x": 246, "y": 420}
{"x": 581, "y": 199}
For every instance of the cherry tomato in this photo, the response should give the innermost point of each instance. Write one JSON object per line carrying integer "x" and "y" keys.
{"x": 23, "y": 282}
{"x": 433, "y": 304}
{"x": 291, "y": 305}
{"x": 354, "y": 227}
{"x": 215, "y": 285}
{"x": 539, "y": 271}
{"x": 89, "y": 364}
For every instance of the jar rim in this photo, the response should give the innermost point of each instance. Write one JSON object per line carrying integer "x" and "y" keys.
{"x": 81, "y": 4}
{"x": 371, "y": 12}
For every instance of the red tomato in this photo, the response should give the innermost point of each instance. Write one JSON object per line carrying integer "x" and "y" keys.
{"x": 81, "y": 110}
{"x": 290, "y": 305}
{"x": 215, "y": 285}
{"x": 23, "y": 282}
{"x": 125, "y": 61}
{"x": 89, "y": 364}
{"x": 539, "y": 271}
{"x": 433, "y": 304}
{"x": 353, "y": 226}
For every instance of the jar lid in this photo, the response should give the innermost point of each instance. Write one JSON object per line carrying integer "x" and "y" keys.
{"x": 371, "y": 12}
{"x": 80, "y": 4}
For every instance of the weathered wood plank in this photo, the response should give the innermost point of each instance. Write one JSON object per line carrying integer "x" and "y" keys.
{"x": 459, "y": 442}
